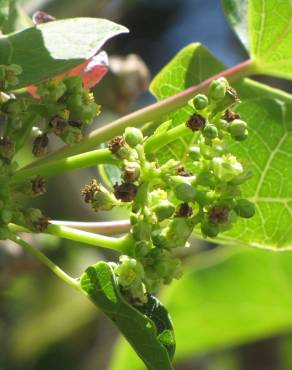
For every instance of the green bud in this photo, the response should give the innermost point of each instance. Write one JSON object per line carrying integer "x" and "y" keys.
{"x": 133, "y": 136}
{"x": 74, "y": 101}
{"x": 98, "y": 196}
{"x": 226, "y": 168}
{"x": 130, "y": 272}
{"x": 244, "y": 208}
{"x": 71, "y": 135}
{"x": 209, "y": 229}
{"x": 237, "y": 128}
{"x": 200, "y": 101}
{"x": 163, "y": 210}
{"x": 210, "y": 131}
{"x": 73, "y": 84}
{"x": 185, "y": 192}
{"x": 167, "y": 267}
{"x": 218, "y": 88}
{"x": 119, "y": 147}
{"x": 103, "y": 200}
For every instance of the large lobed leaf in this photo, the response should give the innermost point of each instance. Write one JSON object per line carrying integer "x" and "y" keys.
{"x": 55, "y": 47}
{"x": 228, "y": 297}
{"x": 268, "y": 149}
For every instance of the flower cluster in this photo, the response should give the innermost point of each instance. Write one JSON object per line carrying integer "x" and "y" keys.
{"x": 66, "y": 107}
{"x": 170, "y": 200}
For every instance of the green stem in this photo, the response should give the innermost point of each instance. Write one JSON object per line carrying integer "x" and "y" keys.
{"x": 53, "y": 168}
{"x": 123, "y": 245}
{"x": 157, "y": 142}
{"x": 47, "y": 262}
{"x": 151, "y": 113}
{"x": 106, "y": 227}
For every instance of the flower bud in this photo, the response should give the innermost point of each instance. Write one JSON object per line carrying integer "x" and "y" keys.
{"x": 218, "y": 88}
{"x": 163, "y": 210}
{"x": 71, "y": 135}
{"x": 35, "y": 220}
{"x": 209, "y": 229}
{"x": 200, "y": 102}
{"x": 98, "y": 196}
{"x": 119, "y": 147}
{"x": 244, "y": 208}
{"x": 133, "y": 136}
{"x": 185, "y": 192}
{"x": 218, "y": 214}
{"x": 210, "y": 131}
{"x": 226, "y": 168}
{"x": 237, "y": 128}
{"x": 130, "y": 272}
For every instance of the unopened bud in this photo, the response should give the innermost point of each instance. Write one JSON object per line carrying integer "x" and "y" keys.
{"x": 133, "y": 136}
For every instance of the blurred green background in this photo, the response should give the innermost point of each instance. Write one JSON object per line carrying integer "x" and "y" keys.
{"x": 232, "y": 310}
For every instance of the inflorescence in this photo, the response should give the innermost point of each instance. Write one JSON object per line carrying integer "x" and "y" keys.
{"x": 170, "y": 200}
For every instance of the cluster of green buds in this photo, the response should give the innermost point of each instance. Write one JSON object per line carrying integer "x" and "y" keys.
{"x": 66, "y": 108}
{"x": 170, "y": 200}
{"x": 13, "y": 196}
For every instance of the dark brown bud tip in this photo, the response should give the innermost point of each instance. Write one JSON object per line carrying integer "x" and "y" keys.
{"x": 125, "y": 192}
{"x": 196, "y": 122}
{"x": 7, "y": 147}
{"x": 230, "y": 116}
{"x": 40, "y": 145}
{"x": 181, "y": 171}
{"x": 38, "y": 185}
{"x": 57, "y": 125}
{"x": 89, "y": 190}
{"x": 116, "y": 144}
{"x": 218, "y": 215}
{"x": 41, "y": 224}
{"x": 183, "y": 210}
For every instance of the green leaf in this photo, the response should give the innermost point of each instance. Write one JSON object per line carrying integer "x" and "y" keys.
{"x": 141, "y": 331}
{"x": 236, "y": 14}
{"x": 227, "y": 298}
{"x": 270, "y": 36}
{"x": 268, "y": 149}
{"x": 192, "y": 65}
{"x": 55, "y": 47}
